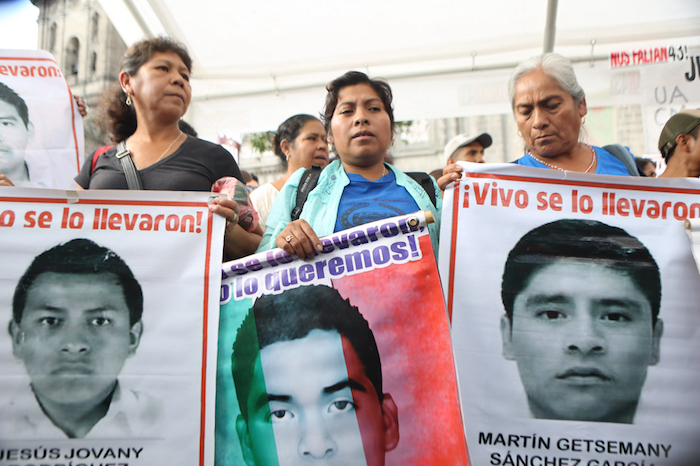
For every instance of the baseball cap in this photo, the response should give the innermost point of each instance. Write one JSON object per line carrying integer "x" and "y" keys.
{"x": 462, "y": 140}
{"x": 680, "y": 123}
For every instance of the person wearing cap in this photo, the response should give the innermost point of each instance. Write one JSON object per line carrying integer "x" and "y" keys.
{"x": 679, "y": 145}
{"x": 467, "y": 149}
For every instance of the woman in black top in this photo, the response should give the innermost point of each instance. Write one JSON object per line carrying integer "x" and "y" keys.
{"x": 143, "y": 110}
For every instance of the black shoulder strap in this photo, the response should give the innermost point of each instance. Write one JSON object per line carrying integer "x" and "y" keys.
{"x": 621, "y": 153}
{"x": 426, "y": 182}
{"x": 307, "y": 182}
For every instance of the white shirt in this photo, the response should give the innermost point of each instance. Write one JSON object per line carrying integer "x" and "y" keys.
{"x": 131, "y": 414}
{"x": 262, "y": 199}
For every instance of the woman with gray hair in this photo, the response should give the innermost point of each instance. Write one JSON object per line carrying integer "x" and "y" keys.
{"x": 550, "y": 108}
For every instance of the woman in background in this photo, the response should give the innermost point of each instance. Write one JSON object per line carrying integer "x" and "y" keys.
{"x": 300, "y": 142}
{"x": 143, "y": 110}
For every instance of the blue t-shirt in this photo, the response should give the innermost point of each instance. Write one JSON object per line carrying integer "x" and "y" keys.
{"x": 607, "y": 164}
{"x": 365, "y": 201}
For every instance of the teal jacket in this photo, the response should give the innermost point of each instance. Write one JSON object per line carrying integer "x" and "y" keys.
{"x": 321, "y": 207}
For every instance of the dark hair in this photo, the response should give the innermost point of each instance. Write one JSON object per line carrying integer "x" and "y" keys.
{"x": 116, "y": 117}
{"x": 642, "y": 163}
{"x": 352, "y": 78}
{"x": 289, "y": 130}
{"x": 248, "y": 177}
{"x": 12, "y": 98}
{"x": 292, "y": 315}
{"x": 82, "y": 257}
{"x": 692, "y": 133}
{"x": 186, "y": 128}
{"x": 561, "y": 240}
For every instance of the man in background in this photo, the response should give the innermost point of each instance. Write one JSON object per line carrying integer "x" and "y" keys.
{"x": 467, "y": 149}
{"x": 679, "y": 145}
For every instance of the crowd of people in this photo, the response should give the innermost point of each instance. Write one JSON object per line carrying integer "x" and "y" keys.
{"x": 143, "y": 115}
{"x": 155, "y": 150}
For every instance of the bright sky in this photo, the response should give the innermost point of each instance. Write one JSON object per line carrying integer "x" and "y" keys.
{"x": 18, "y": 26}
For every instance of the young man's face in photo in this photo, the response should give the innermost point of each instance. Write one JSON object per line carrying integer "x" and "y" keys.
{"x": 14, "y": 137}
{"x": 582, "y": 337}
{"x": 320, "y": 404}
{"x": 74, "y": 336}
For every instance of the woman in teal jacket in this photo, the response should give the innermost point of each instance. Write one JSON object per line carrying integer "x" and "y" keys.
{"x": 356, "y": 188}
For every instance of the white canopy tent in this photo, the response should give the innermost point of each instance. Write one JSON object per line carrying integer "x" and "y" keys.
{"x": 257, "y": 63}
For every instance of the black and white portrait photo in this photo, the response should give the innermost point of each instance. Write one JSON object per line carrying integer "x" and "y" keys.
{"x": 574, "y": 316}
{"x": 581, "y": 319}
{"x": 15, "y": 133}
{"x": 76, "y": 319}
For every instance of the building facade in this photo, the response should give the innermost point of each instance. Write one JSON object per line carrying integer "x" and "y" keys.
{"x": 87, "y": 48}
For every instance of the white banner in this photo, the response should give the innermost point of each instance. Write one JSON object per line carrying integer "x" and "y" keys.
{"x": 668, "y": 87}
{"x": 108, "y": 297}
{"x": 574, "y": 316}
{"x": 41, "y": 136}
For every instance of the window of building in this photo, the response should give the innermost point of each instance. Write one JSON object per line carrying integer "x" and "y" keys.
{"x": 72, "y": 53}
{"x": 52, "y": 37}
{"x": 95, "y": 29}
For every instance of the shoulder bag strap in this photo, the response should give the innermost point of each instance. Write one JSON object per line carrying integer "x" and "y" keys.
{"x": 133, "y": 180}
{"x": 621, "y": 153}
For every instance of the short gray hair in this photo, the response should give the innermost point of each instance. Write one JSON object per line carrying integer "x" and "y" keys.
{"x": 553, "y": 65}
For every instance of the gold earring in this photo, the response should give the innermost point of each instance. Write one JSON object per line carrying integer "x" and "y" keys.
{"x": 583, "y": 120}
{"x": 128, "y": 100}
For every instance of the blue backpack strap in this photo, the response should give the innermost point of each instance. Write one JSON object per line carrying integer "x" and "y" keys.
{"x": 622, "y": 154}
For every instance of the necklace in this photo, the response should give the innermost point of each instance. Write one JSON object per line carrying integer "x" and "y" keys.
{"x": 169, "y": 147}
{"x": 593, "y": 160}
{"x": 383, "y": 170}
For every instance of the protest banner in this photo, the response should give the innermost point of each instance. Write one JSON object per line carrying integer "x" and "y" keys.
{"x": 42, "y": 132}
{"x": 108, "y": 297}
{"x": 340, "y": 359}
{"x": 670, "y": 84}
{"x": 574, "y": 316}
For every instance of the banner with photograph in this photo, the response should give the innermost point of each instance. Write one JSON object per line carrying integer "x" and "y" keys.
{"x": 575, "y": 324}
{"x": 41, "y": 136}
{"x": 108, "y": 298}
{"x": 342, "y": 359}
